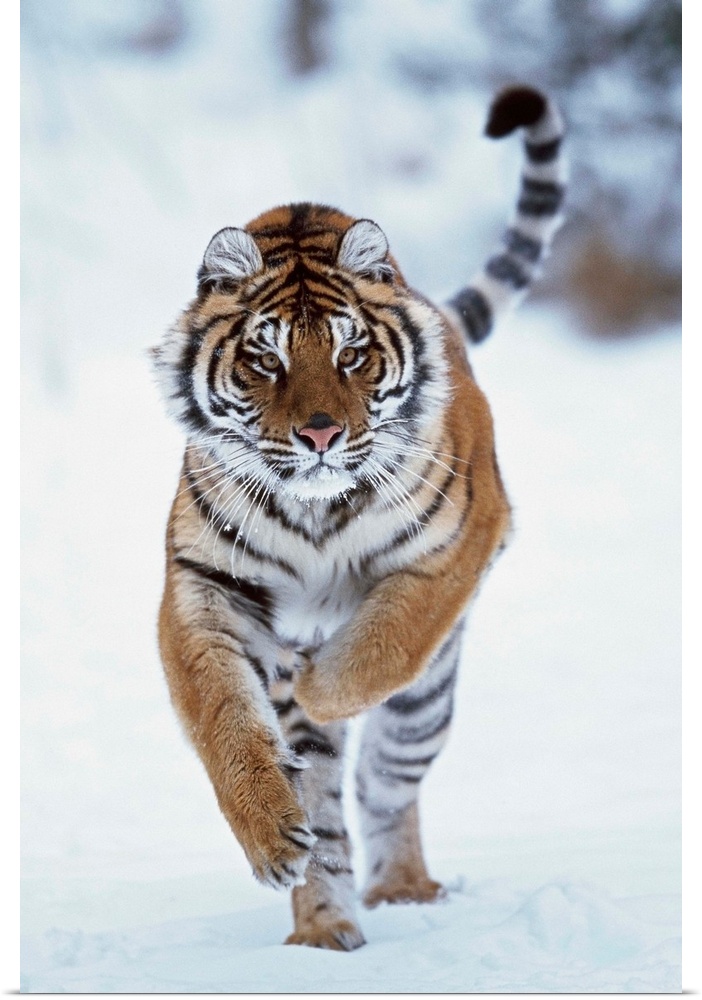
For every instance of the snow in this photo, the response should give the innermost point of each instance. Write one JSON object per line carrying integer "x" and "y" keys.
{"x": 492, "y": 938}
{"x": 553, "y": 815}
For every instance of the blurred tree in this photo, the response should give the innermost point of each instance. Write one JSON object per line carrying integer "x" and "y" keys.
{"x": 305, "y": 40}
{"x": 162, "y": 30}
{"x": 86, "y": 28}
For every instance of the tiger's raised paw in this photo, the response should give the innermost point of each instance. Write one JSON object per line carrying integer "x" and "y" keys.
{"x": 320, "y": 694}
{"x": 340, "y": 935}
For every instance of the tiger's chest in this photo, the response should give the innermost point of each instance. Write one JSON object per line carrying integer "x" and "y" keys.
{"x": 330, "y": 582}
{"x": 309, "y": 566}
{"x": 307, "y": 615}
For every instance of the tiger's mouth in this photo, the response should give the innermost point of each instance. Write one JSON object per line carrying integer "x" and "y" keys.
{"x": 321, "y": 482}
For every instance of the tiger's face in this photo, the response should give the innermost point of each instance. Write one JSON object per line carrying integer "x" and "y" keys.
{"x": 305, "y": 360}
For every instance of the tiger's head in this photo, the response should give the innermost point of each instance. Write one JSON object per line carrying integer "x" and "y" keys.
{"x": 305, "y": 358}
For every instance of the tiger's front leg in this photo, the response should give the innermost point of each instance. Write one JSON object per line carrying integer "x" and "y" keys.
{"x": 219, "y": 691}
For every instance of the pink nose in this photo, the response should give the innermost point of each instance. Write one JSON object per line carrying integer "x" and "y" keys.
{"x": 320, "y": 436}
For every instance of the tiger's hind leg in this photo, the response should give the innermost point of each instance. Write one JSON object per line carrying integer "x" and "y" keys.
{"x": 324, "y": 907}
{"x": 400, "y": 740}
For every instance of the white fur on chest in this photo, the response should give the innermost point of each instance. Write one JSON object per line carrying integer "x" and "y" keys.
{"x": 309, "y": 613}
{"x": 308, "y": 617}
{"x": 330, "y": 585}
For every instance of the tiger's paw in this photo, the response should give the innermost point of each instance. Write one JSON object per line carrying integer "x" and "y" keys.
{"x": 270, "y": 824}
{"x": 280, "y": 857}
{"x": 351, "y": 674}
{"x": 404, "y": 890}
{"x": 339, "y": 935}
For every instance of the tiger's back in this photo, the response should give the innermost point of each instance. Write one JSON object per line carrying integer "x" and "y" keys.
{"x": 339, "y": 501}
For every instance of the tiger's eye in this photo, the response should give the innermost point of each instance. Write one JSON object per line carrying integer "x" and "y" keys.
{"x": 270, "y": 361}
{"x": 348, "y": 355}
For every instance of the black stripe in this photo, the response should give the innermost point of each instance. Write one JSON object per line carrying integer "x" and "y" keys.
{"x": 284, "y": 707}
{"x": 411, "y": 407}
{"x": 267, "y": 288}
{"x": 397, "y": 344}
{"x": 345, "y": 509}
{"x": 329, "y": 867}
{"x": 258, "y": 669}
{"x": 504, "y": 268}
{"x": 302, "y": 747}
{"x": 326, "y": 293}
{"x": 323, "y": 833}
{"x": 249, "y": 598}
{"x": 294, "y": 840}
{"x": 300, "y": 212}
{"x": 283, "y": 247}
{"x": 475, "y": 311}
{"x": 382, "y": 371}
{"x": 396, "y": 390}
{"x": 391, "y": 761}
{"x": 218, "y": 351}
{"x": 405, "y": 704}
{"x": 413, "y": 331}
{"x": 283, "y": 288}
{"x": 279, "y": 514}
{"x": 419, "y": 734}
{"x": 523, "y": 246}
{"x": 543, "y": 152}
{"x": 539, "y": 198}
{"x": 194, "y": 416}
{"x": 515, "y": 107}
{"x": 313, "y": 744}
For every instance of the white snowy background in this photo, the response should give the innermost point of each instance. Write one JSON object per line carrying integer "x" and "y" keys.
{"x": 553, "y": 816}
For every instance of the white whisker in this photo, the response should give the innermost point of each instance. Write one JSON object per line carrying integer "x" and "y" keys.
{"x": 398, "y": 465}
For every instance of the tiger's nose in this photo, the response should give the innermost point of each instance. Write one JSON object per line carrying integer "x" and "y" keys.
{"x": 320, "y": 432}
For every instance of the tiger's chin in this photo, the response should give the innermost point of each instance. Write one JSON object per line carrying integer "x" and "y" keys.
{"x": 321, "y": 483}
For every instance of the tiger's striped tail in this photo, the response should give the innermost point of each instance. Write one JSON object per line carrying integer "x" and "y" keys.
{"x": 507, "y": 275}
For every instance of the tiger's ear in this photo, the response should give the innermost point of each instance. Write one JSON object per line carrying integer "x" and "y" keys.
{"x": 231, "y": 255}
{"x": 364, "y": 250}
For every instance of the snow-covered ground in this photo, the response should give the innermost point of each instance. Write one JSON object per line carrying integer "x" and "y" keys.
{"x": 554, "y": 814}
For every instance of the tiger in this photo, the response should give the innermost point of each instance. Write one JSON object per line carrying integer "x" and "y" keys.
{"x": 339, "y": 503}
